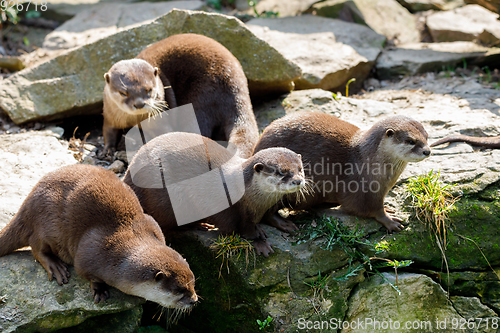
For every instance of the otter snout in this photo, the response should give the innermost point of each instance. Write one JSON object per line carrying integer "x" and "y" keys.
{"x": 189, "y": 301}
{"x": 139, "y": 103}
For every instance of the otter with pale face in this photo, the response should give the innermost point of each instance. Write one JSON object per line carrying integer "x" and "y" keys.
{"x": 187, "y": 159}
{"x": 85, "y": 216}
{"x": 178, "y": 70}
{"x": 133, "y": 92}
{"x": 348, "y": 166}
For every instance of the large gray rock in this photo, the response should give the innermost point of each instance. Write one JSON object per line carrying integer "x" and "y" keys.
{"x": 72, "y": 83}
{"x": 282, "y": 7}
{"x": 387, "y": 17}
{"x": 105, "y": 19}
{"x": 25, "y": 158}
{"x": 330, "y": 52}
{"x": 423, "y": 5}
{"x": 468, "y": 23}
{"x": 421, "y": 305}
{"x": 32, "y": 303}
{"x": 410, "y": 59}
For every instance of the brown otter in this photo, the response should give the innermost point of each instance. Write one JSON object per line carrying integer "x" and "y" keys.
{"x": 85, "y": 216}
{"x": 193, "y": 69}
{"x": 492, "y": 142}
{"x": 182, "y": 178}
{"x": 350, "y": 167}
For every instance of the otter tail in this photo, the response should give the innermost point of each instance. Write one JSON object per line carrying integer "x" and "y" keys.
{"x": 14, "y": 236}
{"x": 486, "y": 142}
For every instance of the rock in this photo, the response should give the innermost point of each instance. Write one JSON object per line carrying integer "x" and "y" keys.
{"x": 105, "y": 19}
{"x": 317, "y": 100}
{"x": 387, "y": 17}
{"x": 274, "y": 285}
{"x": 122, "y": 322}
{"x": 329, "y": 52}
{"x": 421, "y": 305}
{"x": 471, "y": 307}
{"x": 72, "y": 83}
{"x": 26, "y": 157}
{"x": 282, "y": 7}
{"x": 492, "y": 5}
{"x": 117, "y": 166}
{"x": 423, "y": 5}
{"x": 467, "y": 23}
{"x": 34, "y": 304}
{"x": 482, "y": 285}
{"x": 410, "y": 59}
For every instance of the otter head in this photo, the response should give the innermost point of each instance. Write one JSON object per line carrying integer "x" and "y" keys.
{"x": 168, "y": 280}
{"x": 278, "y": 170}
{"x": 404, "y": 139}
{"x": 155, "y": 271}
{"x": 135, "y": 86}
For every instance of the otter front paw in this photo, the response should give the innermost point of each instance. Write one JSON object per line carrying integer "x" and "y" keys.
{"x": 260, "y": 232}
{"x": 106, "y": 154}
{"x": 262, "y": 246}
{"x": 100, "y": 291}
{"x": 391, "y": 223}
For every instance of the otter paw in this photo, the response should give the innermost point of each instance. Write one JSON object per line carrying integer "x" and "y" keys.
{"x": 275, "y": 220}
{"x": 59, "y": 271}
{"x": 260, "y": 232}
{"x": 390, "y": 223}
{"x": 100, "y": 291}
{"x": 287, "y": 226}
{"x": 106, "y": 154}
{"x": 263, "y": 247}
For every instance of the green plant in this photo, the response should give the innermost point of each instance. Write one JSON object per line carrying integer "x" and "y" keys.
{"x": 486, "y": 78}
{"x": 265, "y": 323}
{"x": 431, "y": 201}
{"x": 333, "y": 233}
{"x": 318, "y": 283}
{"x": 347, "y": 86}
{"x": 231, "y": 246}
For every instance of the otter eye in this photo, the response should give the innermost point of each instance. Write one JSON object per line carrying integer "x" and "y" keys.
{"x": 159, "y": 276}
{"x": 411, "y": 142}
{"x": 282, "y": 173}
{"x": 124, "y": 94}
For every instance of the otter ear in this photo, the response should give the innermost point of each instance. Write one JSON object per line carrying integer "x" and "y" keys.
{"x": 258, "y": 167}
{"x": 160, "y": 275}
{"x": 106, "y": 77}
{"x": 300, "y": 156}
{"x": 156, "y": 71}
{"x": 389, "y": 132}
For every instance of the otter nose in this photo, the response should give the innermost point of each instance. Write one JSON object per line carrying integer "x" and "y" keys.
{"x": 193, "y": 299}
{"x": 427, "y": 152}
{"x": 139, "y": 104}
{"x": 297, "y": 182}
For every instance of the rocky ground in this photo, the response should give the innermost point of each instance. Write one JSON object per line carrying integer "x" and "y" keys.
{"x": 431, "y": 70}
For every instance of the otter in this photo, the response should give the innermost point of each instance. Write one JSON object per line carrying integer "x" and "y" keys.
{"x": 203, "y": 182}
{"x": 348, "y": 166}
{"x": 178, "y": 70}
{"x": 86, "y": 216}
{"x": 492, "y": 142}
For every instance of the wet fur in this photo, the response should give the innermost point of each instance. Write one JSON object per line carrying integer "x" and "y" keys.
{"x": 85, "y": 216}
{"x": 316, "y": 136}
